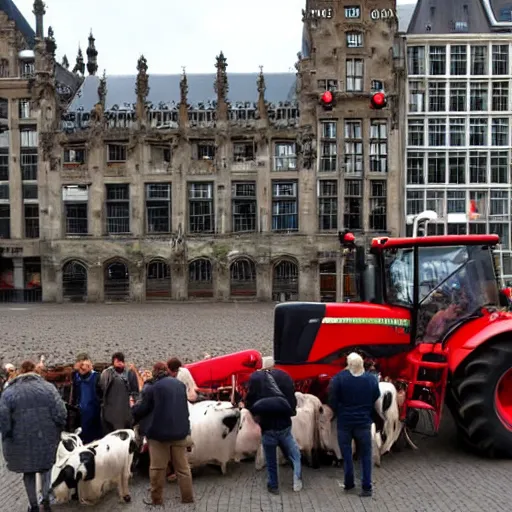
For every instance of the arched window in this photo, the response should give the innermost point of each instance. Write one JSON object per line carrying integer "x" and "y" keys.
{"x": 242, "y": 274}
{"x": 285, "y": 281}
{"x": 116, "y": 281}
{"x": 200, "y": 279}
{"x": 158, "y": 280}
{"x": 74, "y": 282}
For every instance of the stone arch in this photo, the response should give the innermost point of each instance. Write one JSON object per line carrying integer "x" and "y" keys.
{"x": 242, "y": 277}
{"x": 74, "y": 280}
{"x": 158, "y": 280}
{"x": 328, "y": 281}
{"x": 200, "y": 278}
{"x": 116, "y": 280}
{"x": 285, "y": 279}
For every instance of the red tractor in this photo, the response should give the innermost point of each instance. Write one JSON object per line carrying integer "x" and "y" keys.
{"x": 430, "y": 320}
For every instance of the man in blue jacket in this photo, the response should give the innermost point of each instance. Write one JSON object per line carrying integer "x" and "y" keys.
{"x": 271, "y": 400}
{"x": 163, "y": 409}
{"x": 352, "y": 396}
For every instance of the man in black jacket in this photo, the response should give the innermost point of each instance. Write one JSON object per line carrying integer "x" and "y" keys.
{"x": 271, "y": 400}
{"x": 163, "y": 410}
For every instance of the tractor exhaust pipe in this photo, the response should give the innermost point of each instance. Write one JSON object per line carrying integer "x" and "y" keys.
{"x": 421, "y": 220}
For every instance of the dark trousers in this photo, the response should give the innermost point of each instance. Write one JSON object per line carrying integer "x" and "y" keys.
{"x": 363, "y": 438}
{"x": 29, "y": 479}
{"x": 271, "y": 439}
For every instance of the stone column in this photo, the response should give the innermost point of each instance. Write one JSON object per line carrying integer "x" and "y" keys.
{"x": 51, "y": 276}
{"x": 95, "y": 283}
{"x": 264, "y": 281}
{"x": 15, "y": 189}
{"x": 137, "y": 281}
{"x": 221, "y": 285}
{"x": 308, "y": 281}
{"x": 18, "y": 279}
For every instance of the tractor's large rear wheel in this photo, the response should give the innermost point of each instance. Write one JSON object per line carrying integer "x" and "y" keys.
{"x": 480, "y": 399}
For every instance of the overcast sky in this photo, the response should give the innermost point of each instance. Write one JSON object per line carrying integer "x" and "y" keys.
{"x": 176, "y": 33}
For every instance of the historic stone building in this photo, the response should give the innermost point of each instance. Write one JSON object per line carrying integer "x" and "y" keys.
{"x": 222, "y": 186}
{"x": 459, "y": 137}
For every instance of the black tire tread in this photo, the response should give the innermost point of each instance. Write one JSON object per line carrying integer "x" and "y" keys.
{"x": 468, "y": 402}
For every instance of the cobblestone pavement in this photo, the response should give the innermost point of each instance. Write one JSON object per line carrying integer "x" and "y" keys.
{"x": 439, "y": 477}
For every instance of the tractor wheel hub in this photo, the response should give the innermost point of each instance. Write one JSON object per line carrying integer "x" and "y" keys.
{"x": 503, "y": 399}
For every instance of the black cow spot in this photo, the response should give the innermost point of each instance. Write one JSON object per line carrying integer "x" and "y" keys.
{"x": 122, "y": 435}
{"x": 67, "y": 476}
{"x": 205, "y": 412}
{"x": 387, "y": 401}
{"x": 133, "y": 447}
{"x": 230, "y": 422}
{"x": 88, "y": 459}
{"x": 69, "y": 444}
{"x": 92, "y": 449}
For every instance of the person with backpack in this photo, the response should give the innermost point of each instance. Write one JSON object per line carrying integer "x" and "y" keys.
{"x": 119, "y": 390}
{"x": 271, "y": 400}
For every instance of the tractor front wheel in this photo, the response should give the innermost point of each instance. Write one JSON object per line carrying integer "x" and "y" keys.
{"x": 481, "y": 400}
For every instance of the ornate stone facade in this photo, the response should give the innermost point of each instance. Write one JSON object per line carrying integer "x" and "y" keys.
{"x": 168, "y": 192}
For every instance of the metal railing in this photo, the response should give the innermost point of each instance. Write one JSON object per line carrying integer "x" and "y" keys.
{"x": 27, "y": 295}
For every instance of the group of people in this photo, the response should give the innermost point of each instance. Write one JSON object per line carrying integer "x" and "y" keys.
{"x": 33, "y": 414}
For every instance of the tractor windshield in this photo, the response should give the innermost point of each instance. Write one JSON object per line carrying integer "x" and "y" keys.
{"x": 454, "y": 284}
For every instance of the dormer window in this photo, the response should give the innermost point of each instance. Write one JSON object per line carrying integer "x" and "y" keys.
{"x": 354, "y": 40}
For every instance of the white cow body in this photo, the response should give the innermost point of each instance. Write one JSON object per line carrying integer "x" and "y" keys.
{"x": 93, "y": 468}
{"x": 248, "y": 439}
{"x": 328, "y": 432}
{"x": 214, "y": 427}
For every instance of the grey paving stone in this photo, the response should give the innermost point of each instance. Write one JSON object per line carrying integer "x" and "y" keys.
{"x": 439, "y": 477}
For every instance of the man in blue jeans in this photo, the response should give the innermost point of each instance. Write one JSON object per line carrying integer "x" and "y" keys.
{"x": 271, "y": 400}
{"x": 352, "y": 396}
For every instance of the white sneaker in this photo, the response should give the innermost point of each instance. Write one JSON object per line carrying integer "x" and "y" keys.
{"x": 297, "y": 484}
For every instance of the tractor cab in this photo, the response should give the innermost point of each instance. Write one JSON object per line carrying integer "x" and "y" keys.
{"x": 429, "y": 320}
{"x": 442, "y": 280}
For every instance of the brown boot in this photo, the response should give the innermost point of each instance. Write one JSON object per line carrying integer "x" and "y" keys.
{"x": 157, "y": 481}
{"x": 186, "y": 489}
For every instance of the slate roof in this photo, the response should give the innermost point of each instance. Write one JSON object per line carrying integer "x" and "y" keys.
{"x": 21, "y": 23}
{"x": 166, "y": 88}
{"x": 457, "y": 17}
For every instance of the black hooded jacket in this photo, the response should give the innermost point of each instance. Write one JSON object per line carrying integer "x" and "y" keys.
{"x": 272, "y": 408}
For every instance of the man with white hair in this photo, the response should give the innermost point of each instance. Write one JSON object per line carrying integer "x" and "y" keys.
{"x": 352, "y": 396}
{"x": 10, "y": 372}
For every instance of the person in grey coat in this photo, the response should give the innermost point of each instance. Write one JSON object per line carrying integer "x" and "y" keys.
{"x": 32, "y": 417}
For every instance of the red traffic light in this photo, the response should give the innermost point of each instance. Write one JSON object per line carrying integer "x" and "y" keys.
{"x": 347, "y": 238}
{"x": 327, "y": 97}
{"x": 379, "y": 100}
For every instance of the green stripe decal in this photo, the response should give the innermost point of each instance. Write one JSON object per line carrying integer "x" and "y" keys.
{"x": 392, "y": 322}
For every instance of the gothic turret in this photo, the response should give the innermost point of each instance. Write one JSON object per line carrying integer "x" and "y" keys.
{"x": 39, "y": 11}
{"x": 142, "y": 88}
{"x": 221, "y": 87}
{"x": 79, "y": 65}
{"x": 92, "y": 56}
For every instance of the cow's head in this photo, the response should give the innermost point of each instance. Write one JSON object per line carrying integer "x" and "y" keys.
{"x": 81, "y": 465}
